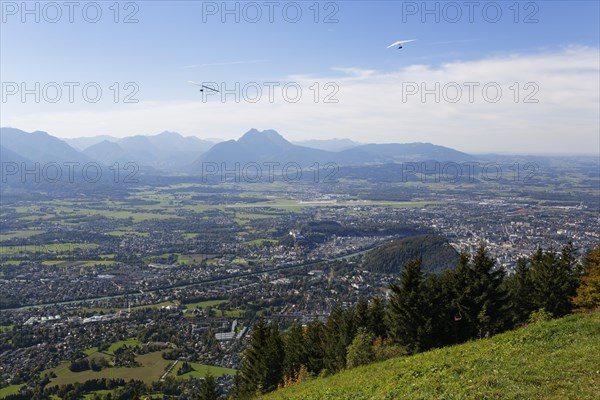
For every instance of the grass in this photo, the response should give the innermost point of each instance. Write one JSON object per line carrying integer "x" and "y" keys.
{"x": 157, "y": 305}
{"x": 45, "y": 248}
{"x": 151, "y": 369}
{"x": 123, "y": 233}
{"x": 558, "y": 359}
{"x": 90, "y": 351}
{"x": 20, "y": 234}
{"x": 101, "y": 393}
{"x": 10, "y": 262}
{"x": 207, "y": 303}
{"x": 117, "y": 345}
{"x": 10, "y": 390}
{"x": 192, "y": 258}
{"x": 234, "y": 313}
{"x": 61, "y": 263}
{"x": 259, "y": 242}
{"x": 200, "y": 371}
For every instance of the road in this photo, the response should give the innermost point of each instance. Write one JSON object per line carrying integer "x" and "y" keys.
{"x": 196, "y": 283}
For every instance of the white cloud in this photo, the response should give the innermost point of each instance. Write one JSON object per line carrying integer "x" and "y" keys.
{"x": 371, "y": 108}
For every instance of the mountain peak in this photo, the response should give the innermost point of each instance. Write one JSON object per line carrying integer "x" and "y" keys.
{"x": 169, "y": 134}
{"x": 268, "y": 135}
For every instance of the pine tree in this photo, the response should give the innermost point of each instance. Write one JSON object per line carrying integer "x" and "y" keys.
{"x": 478, "y": 296}
{"x": 275, "y": 356}
{"x": 439, "y": 298}
{"x": 239, "y": 389}
{"x": 489, "y": 294}
{"x": 209, "y": 389}
{"x": 520, "y": 289}
{"x": 361, "y": 314}
{"x": 554, "y": 281}
{"x": 254, "y": 364}
{"x": 339, "y": 332}
{"x": 458, "y": 284}
{"x": 313, "y": 339}
{"x": 376, "y": 315}
{"x": 408, "y": 315}
{"x": 262, "y": 366}
{"x": 570, "y": 268}
{"x": 295, "y": 351}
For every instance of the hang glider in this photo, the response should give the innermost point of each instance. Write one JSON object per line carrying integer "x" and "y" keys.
{"x": 202, "y": 87}
{"x": 399, "y": 43}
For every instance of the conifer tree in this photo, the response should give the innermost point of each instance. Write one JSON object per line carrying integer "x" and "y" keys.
{"x": 209, "y": 389}
{"x": 408, "y": 316}
{"x": 478, "y": 296}
{"x": 262, "y": 366}
{"x": 295, "y": 351}
{"x": 313, "y": 339}
{"x": 275, "y": 356}
{"x": 459, "y": 285}
{"x": 361, "y": 314}
{"x": 376, "y": 316}
{"x": 339, "y": 332}
{"x": 239, "y": 389}
{"x": 439, "y": 302}
{"x": 553, "y": 280}
{"x": 520, "y": 289}
{"x": 490, "y": 295}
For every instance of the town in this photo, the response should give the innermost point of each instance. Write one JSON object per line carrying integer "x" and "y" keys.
{"x": 180, "y": 273}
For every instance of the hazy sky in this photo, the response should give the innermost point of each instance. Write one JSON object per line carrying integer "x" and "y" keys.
{"x": 518, "y": 77}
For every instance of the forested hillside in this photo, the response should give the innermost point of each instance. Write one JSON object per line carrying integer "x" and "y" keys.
{"x": 435, "y": 252}
{"x": 547, "y": 360}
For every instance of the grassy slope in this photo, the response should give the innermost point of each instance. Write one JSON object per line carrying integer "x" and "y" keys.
{"x": 559, "y": 359}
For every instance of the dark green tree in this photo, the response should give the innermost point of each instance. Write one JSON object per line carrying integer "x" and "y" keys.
{"x": 313, "y": 339}
{"x": 479, "y": 296}
{"x": 361, "y": 314}
{"x": 262, "y": 366}
{"x": 377, "y": 317}
{"x": 520, "y": 292}
{"x": 408, "y": 313}
{"x": 439, "y": 292}
{"x": 339, "y": 332}
{"x": 554, "y": 280}
{"x": 490, "y": 297}
{"x": 209, "y": 389}
{"x": 296, "y": 351}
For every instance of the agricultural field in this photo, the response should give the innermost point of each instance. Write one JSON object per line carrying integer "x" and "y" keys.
{"x": 152, "y": 367}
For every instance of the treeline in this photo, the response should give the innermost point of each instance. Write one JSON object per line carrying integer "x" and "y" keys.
{"x": 70, "y": 391}
{"x": 206, "y": 388}
{"x": 85, "y": 364}
{"x": 424, "y": 311}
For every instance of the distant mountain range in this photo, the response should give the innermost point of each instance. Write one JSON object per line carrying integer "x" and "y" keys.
{"x": 270, "y": 146}
{"x": 167, "y": 150}
{"x": 39, "y": 147}
{"x": 172, "y": 152}
{"x": 329, "y": 144}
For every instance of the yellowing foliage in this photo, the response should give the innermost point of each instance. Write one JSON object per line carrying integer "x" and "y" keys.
{"x": 588, "y": 292}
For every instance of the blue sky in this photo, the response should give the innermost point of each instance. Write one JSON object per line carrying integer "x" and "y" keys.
{"x": 174, "y": 42}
